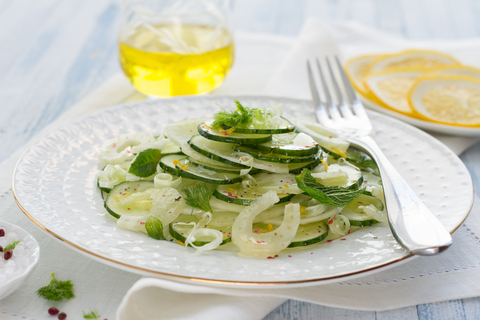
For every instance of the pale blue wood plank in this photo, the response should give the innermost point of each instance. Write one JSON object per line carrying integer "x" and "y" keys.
{"x": 413, "y": 14}
{"x": 297, "y": 310}
{"x": 255, "y": 16}
{"x": 464, "y": 18}
{"x": 472, "y": 308}
{"x": 364, "y": 12}
{"x": 408, "y": 313}
{"x": 437, "y": 15}
{"x": 446, "y": 310}
{"x": 389, "y": 16}
{"x": 290, "y": 17}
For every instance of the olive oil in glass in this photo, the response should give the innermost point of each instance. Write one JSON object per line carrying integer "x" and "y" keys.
{"x": 176, "y": 59}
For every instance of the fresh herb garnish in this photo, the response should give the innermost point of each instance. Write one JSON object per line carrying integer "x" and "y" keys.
{"x": 91, "y": 315}
{"x": 11, "y": 246}
{"x": 154, "y": 228}
{"x": 241, "y": 117}
{"x": 358, "y": 158}
{"x": 336, "y": 196}
{"x": 57, "y": 290}
{"x": 199, "y": 195}
{"x": 145, "y": 164}
{"x": 361, "y": 160}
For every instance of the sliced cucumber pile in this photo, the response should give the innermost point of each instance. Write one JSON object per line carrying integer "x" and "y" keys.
{"x": 241, "y": 164}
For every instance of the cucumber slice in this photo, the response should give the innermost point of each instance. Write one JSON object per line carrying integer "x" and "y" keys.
{"x": 224, "y": 136}
{"x": 171, "y": 148}
{"x": 180, "y": 231}
{"x": 339, "y": 175}
{"x": 358, "y": 158}
{"x": 284, "y": 127}
{"x": 359, "y": 219}
{"x": 325, "y": 137}
{"x": 277, "y": 158}
{"x": 179, "y": 165}
{"x": 223, "y": 152}
{"x": 198, "y": 157}
{"x": 180, "y": 132}
{"x": 285, "y": 144}
{"x": 114, "y": 205}
{"x": 238, "y": 195}
{"x": 309, "y": 234}
{"x": 365, "y": 200}
{"x": 219, "y": 168}
{"x": 297, "y": 168}
{"x": 113, "y": 175}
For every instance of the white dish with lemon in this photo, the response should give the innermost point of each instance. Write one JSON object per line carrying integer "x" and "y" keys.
{"x": 428, "y": 89}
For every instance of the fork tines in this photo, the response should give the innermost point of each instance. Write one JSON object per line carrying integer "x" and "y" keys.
{"x": 331, "y": 110}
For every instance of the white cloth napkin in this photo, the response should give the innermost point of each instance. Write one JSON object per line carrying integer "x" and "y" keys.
{"x": 420, "y": 281}
{"x": 449, "y": 276}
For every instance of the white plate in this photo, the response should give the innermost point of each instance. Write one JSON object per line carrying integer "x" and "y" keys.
{"x": 426, "y": 125}
{"x": 55, "y": 185}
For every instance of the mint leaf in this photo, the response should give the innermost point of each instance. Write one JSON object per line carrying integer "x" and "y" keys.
{"x": 145, "y": 164}
{"x": 11, "y": 246}
{"x": 336, "y": 196}
{"x": 154, "y": 228}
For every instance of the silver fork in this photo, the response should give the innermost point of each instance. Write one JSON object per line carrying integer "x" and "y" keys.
{"x": 412, "y": 224}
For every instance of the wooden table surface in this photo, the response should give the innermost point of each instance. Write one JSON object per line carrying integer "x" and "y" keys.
{"x": 53, "y": 53}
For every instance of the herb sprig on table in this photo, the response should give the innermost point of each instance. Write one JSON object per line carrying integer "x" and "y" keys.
{"x": 57, "y": 290}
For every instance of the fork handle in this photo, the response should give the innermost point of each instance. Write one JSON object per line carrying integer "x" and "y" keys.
{"x": 412, "y": 224}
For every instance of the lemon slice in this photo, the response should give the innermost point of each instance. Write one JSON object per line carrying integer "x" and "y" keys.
{"x": 357, "y": 69}
{"x": 412, "y": 59}
{"x": 391, "y": 88}
{"x": 451, "y": 100}
{"x": 459, "y": 70}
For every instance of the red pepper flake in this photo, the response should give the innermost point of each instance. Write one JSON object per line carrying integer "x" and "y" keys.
{"x": 330, "y": 221}
{"x": 270, "y": 257}
{"x": 114, "y": 145}
{"x": 329, "y": 241}
{"x": 142, "y": 222}
{"x": 128, "y": 208}
{"x": 307, "y": 146}
{"x": 311, "y": 252}
{"x": 348, "y": 231}
{"x": 231, "y": 195}
{"x": 255, "y": 231}
{"x": 330, "y": 137}
{"x": 343, "y": 239}
{"x": 164, "y": 195}
{"x": 289, "y": 256}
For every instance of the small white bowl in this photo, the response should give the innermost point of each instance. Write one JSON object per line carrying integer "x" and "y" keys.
{"x": 14, "y": 283}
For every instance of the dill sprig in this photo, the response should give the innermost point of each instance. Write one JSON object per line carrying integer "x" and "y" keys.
{"x": 91, "y": 315}
{"x": 199, "y": 195}
{"x": 11, "y": 246}
{"x": 57, "y": 290}
{"x": 243, "y": 116}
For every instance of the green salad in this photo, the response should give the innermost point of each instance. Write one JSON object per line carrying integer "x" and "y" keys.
{"x": 247, "y": 178}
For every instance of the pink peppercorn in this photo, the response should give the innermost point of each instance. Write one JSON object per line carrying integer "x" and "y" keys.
{"x": 1, "y": 249}
{"x": 62, "y": 315}
{"x": 8, "y": 254}
{"x": 53, "y": 311}
{"x": 2, "y": 232}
